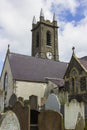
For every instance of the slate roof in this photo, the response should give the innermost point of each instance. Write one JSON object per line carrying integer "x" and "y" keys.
{"x": 59, "y": 82}
{"x": 84, "y": 58}
{"x": 83, "y": 61}
{"x": 27, "y": 68}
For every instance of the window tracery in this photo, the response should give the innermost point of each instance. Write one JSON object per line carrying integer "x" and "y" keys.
{"x": 75, "y": 80}
{"x": 83, "y": 83}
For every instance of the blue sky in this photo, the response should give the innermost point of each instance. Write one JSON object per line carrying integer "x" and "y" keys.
{"x": 16, "y": 23}
{"x": 67, "y": 15}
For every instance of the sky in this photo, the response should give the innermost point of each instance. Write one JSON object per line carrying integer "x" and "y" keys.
{"x": 16, "y": 23}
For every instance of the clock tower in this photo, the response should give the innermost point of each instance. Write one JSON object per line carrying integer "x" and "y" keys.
{"x": 45, "y": 38}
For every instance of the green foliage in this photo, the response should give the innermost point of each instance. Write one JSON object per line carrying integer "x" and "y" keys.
{"x": 63, "y": 97}
{"x": 85, "y": 126}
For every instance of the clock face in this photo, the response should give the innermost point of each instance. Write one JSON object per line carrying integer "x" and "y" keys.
{"x": 49, "y": 55}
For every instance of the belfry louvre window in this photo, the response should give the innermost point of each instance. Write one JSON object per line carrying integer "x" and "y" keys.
{"x": 37, "y": 39}
{"x": 48, "y": 36}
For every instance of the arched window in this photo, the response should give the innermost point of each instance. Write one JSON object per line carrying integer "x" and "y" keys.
{"x": 83, "y": 83}
{"x": 75, "y": 80}
{"x": 37, "y": 39}
{"x": 48, "y": 35}
{"x": 5, "y": 82}
{"x": 5, "y": 88}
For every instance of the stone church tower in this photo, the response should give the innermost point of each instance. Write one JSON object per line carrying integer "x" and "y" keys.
{"x": 45, "y": 38}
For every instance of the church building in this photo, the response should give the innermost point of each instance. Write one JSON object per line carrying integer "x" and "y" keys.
{"x": 25, "y": 76}
{"x": 76, "y": 79}
{"x": 33, "y": 78}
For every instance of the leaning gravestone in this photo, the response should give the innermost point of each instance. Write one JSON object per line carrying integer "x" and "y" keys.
{"x": 9, "y": 121}
{"x": 53, "y": 103}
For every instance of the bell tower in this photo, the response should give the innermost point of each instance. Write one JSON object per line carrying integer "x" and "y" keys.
{"x": 45, "y": 38}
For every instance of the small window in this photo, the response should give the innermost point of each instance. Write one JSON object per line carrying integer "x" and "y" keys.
{"x": 37, "y": 40}
{"x": 5, "y": 88}
{"x": 5, "y": 82}
{"x": 83, "y": 83}
{"x": 77, "y": 84}
{"x": 73, "y": 85}
{"x": 67, "y": 86}
{"x": 48, "y": 35}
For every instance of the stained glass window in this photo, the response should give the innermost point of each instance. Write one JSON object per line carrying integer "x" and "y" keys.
{"x": 83, "y": 83}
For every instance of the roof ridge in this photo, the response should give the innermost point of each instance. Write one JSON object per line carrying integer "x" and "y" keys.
{"x": 24, "y": 55}
{"x": 19, "y": 54}
{"x": 83, "y": 58}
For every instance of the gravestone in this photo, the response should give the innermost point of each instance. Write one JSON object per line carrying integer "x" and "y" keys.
{"x": 50, "y": 120}
{"x": 53, "y": 103}
{"x": 9, "y": 121}
{"x": 13, "y": 100}
{"x": 71, "y": 111}
{"x": 33, "y": 102}
{"x": 80, "y": 122}
{"x": 23, "y": 115}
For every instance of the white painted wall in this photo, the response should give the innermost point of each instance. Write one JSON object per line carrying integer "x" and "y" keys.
{"x": 0, "y": 83}
{"x": 1, "y": 99}
{"x": 1, "y": 102}
{"x": 26, "y": 89}
{"x": 71, "y": 113}
{"x": 10, "y": 80}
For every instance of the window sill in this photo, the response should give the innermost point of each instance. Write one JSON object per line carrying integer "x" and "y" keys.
{"x": 49, "y": 46}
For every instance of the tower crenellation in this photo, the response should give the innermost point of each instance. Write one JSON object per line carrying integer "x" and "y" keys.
{"x": 34, "y": 20}
{"x": 45, "y": 38}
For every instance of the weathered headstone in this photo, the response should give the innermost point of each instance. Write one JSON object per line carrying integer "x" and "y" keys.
{"x": 53, "y": 103}
{"x": 9, "y": 121}
{"x": 23, "y": 115}
{"x": 71, "y": 111}
{"x": 33, "y": 102}
{"x": 50, "y": 120}
{"x": 80, "y": 122}
{"x": 13, "y": 100}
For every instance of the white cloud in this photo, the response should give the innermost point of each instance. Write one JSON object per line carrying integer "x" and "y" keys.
{"x": 62, "y": 5}
{"x": 16, "y": 23}
{"x": 73, "y": 36}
